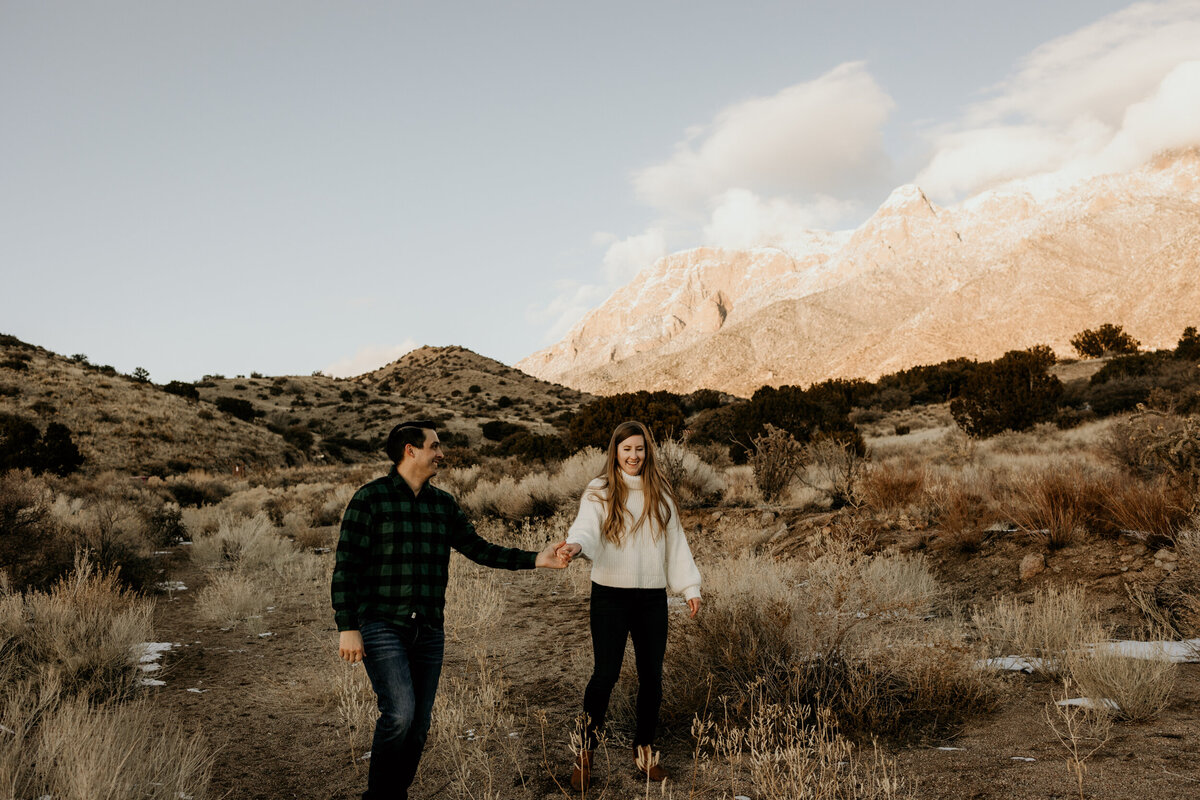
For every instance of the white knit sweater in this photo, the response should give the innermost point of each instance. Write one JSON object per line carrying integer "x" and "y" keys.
{"x": 641, "y": 561}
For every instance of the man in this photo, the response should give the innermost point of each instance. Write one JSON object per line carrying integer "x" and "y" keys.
{"x": 389, "y": 589}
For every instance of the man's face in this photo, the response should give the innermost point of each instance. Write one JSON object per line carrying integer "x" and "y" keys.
{"x": 427, "y": 459}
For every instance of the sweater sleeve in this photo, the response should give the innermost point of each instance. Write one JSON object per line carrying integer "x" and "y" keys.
{"x": 682, "y": 575}
{"x": 585, "y": 531}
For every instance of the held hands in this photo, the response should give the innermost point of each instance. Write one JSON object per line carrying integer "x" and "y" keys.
{"x": 556, "y": 555}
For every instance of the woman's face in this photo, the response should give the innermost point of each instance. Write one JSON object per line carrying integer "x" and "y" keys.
{"x": 631, "y": 454}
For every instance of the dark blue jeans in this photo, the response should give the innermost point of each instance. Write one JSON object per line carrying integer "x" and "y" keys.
{"x": 616, "y": 616}
{"x": 404, "y": 664}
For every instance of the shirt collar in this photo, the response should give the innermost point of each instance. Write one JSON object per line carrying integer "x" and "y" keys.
{"x": 634, "y": 482}
{"x": 401, "y": 485}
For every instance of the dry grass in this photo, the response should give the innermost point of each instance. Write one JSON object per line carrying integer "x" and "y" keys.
{"x": 696, "y": 481}
{"x": 117, "y": 751}
{"x": 1140, "y": 687}
{"x": 851, "y": 630}
{"x": 892, "y": 485}
{"x": 961, "y": 507}
{"x": 788, "y": 751}
{"x": 1055, "y": 506}
{"x": 233, "y": 598}
{"x": 1053, "y": 623}
{"x": 1155, "y": 508}
{"x": 82, "y": 634}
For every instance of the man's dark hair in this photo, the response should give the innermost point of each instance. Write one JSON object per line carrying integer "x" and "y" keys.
{"x": 411, "y": 432}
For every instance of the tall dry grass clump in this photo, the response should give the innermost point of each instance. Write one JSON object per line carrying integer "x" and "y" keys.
{"x": 1138, "y": 688}
{"x": 537, "y": 494}
{"x": 792, "y": 752}
{"x": 83, "y": 634}
{"x": 696, "y": 481}
{"x": 1155, "y": 508}
{"x": 1061, "y": 636}
{"x": 892, "y": 485}
{"x": 1055, "y": 622}
{"x": 961, "y": 508}
{"x": 856, "y": 634}
{"x": 1055, "y": 506}
{"x": 68, "y": 664}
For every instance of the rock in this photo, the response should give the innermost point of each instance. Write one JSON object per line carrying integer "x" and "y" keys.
{"x": 1169, "y": 566}
{"x": 767, "y": 517}
{"x": 1125, "y": 557}
{"x": 996, "y": 573}
{"x": 716, "y": 515}
{"x": 1165, "y": 555}
{"x": 1032, "y": 565}
{"x": 1139, "y": 549}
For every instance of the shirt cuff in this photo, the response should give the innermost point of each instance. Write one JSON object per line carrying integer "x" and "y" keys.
{"x": 692, "y": 591}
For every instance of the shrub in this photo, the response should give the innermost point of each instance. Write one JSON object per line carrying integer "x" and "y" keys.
{"x": 140, "y": 374}
{"x": 593, "y": 424}
{"x": 497, "y": 430}
{"x": 1153, "y": 443}
{"x": 236, "y": 407}
{"x": 1188, "y": 347}
{"x": 1138, "y": 687}
{"x": 961, "y": 510}
{"x": 164, "y": 525}
{"x": 1014, "y": 392}
{"x": 299, "y": 437}
{"x": 532, "y": 447}
{"x": 1108, "y": 339}
{"x": 1054, "y": 622}
{"x": 833, "y": 466}
{"x": 776, "y": 461}
{"x": 33, "y": 551}
{"x": 804, "y": 413}
{"x": 22, "y": 446}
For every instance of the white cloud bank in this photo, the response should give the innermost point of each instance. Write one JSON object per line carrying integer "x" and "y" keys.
{"x": 369, "y": 358}
{"x": 1102, "y": 99}
{"x": 820, "y": 137}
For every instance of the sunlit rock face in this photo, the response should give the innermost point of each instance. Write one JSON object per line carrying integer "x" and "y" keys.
{"x": 914, "y": 284}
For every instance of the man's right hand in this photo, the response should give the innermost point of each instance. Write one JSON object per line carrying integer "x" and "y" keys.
{"x": 350, "y": 646}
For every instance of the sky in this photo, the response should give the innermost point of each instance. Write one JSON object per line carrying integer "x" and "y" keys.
{"x": 225, "y": 187}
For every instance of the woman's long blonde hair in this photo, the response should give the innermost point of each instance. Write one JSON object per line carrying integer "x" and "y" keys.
{"x": 658, "y": 493}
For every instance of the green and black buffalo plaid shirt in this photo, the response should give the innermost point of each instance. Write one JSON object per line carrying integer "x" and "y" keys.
{"x": 393, "y": 555}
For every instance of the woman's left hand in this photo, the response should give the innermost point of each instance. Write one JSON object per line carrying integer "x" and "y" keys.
{"x": 694, "y": 605}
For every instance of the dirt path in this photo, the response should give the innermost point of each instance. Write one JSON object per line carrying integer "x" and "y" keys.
{"x": 266, "y": 704}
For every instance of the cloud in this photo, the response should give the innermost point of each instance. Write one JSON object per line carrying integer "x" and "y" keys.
{"x": 742, "y": 219}
{"x": 818, "y": 137}
{"x": 571, "y": 301}
{"x": 369, "y": 358}
{"x": 626, "y": 258}
{"x": 1101, "y": 99}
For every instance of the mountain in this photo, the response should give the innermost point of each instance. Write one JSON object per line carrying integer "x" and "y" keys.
{"x": 915, "y": 284}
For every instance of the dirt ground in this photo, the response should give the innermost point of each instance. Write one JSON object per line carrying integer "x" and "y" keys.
{"x": 265, "y": 703}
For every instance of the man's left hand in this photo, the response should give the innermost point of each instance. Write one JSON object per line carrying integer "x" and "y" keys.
{"x": 553, "y": 557}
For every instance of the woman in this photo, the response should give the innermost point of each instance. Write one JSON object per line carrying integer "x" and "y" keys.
{"x": 628, "y": 525}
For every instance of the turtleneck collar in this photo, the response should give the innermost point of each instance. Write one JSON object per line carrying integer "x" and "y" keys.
{"x": 634, "y": 482}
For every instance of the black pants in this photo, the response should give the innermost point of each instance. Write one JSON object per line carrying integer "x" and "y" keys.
{"x": 616, "y": 615}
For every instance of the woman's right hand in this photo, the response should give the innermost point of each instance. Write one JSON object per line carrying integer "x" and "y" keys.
{"x": 570, "y": 550}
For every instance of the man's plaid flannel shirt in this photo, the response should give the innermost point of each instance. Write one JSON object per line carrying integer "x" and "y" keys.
{"x": 393, "y": 554}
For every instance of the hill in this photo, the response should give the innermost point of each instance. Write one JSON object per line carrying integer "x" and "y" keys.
{"x": 262, "y": 421}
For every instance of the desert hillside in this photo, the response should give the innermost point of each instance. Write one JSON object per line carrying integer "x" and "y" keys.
{"x": 915, "y": 284}
{"x": 219, "y": 423}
